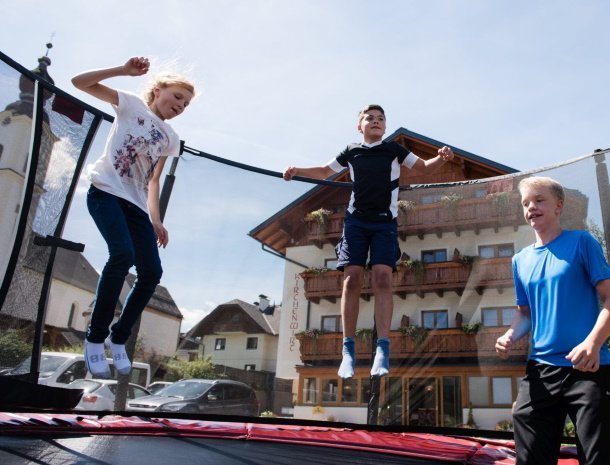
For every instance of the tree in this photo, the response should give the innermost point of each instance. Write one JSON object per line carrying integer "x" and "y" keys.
{"x": 179, "y": 369}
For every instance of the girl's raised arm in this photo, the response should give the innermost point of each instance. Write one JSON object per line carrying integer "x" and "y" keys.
{"x": 89, "y": 81}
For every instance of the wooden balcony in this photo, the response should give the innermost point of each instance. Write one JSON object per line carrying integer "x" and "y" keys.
{"x": 436, "y": 277}
{"x": 437, "y": 218}
{"x": 439, "y": 343}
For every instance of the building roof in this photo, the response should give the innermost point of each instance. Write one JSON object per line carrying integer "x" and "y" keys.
{"x": 161, "y": 299}
{"x": 255, "y": 320}
{"x": 72, "y": 267}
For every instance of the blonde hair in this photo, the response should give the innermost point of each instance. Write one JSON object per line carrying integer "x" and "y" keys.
{"x": 164, "y": 80}
{"x": 553, "y": 186}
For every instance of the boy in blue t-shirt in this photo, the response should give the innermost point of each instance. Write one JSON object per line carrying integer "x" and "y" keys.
{"x": 370, "y": 227}
{"x": 557, "y": 282}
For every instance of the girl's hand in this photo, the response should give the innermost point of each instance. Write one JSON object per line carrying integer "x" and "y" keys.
{"x": 162, "y": 234}
{"x": 136, "y": 66}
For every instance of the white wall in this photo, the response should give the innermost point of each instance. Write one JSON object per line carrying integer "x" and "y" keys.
{"x": 235, "y": 353}
{"x": 159, "y": 333}
{"x": 61, "y": 298}
{"x": 487, "y": 418}
{"x": 322, "y": 413}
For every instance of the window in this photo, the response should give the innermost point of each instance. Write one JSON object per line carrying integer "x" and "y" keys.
{"x": 434, "y": 319}
{"x": 329, "y": 390}
{"x": 365, "y": 389}
{"x": 478, "y": 391}
{"x": 252, "y": 343}
{"x": 77, "y": 370}
{"x": 331, "y": 324}
{"x": 220, "y": 343}
{"x": 434, "y": 256}
{"x": 73, "y": 310}
{"x": 310, "y": 391}
{"x": 484, "y": 391}
{"x": 502, "y": 391}
{"x": 480, "y": 193}
{"x": 249, "y": 367}
{"x": 427, "y": 199}
{"x": 349, "y": 390}
{"x": 497, "y": 250}
{"x": 500, "y": 316}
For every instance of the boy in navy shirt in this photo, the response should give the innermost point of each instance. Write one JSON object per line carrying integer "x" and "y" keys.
{"x": 370, "y": 227}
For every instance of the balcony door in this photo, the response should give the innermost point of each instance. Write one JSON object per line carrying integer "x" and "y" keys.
{"x": 422, "y": 402}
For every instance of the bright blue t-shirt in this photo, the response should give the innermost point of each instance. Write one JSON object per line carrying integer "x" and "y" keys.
{"x": 557, "y": 281}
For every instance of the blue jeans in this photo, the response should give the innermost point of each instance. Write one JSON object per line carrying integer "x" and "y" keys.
{"x": 131, "y": 240}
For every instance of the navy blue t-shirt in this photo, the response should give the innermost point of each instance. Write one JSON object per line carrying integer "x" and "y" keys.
{"x": 375, "y": 172}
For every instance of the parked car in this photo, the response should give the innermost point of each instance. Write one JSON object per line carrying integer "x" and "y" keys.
{"x": 100, "y": 393}
{"x": 156, "y": 386}
{"x": 223, "y": 397}
{"x": 61, "y": 368}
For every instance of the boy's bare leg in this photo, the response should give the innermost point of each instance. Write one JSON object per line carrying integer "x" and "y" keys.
{"x": 384, "y": 307}
{"x": 350, "y": 304}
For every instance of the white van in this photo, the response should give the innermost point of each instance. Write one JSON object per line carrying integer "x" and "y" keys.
{"x": 61, "y": 368}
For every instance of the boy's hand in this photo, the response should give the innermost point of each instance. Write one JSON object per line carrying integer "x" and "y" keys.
{"x": 289, "y": 173}
{"x": 136, "y": 66}
{"x": 445, "y": 153}
{"x": 503, "y": 346}
{"x": 584, "y": 357}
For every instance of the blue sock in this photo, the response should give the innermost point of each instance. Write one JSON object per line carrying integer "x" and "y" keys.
{"x": 381, "y": 364}
{"x": 346, "y": 370}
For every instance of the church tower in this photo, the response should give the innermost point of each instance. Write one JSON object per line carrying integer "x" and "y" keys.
{"x": 16, "y": 128}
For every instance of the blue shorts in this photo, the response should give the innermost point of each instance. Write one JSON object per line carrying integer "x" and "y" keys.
{"x": 361, "y": 237}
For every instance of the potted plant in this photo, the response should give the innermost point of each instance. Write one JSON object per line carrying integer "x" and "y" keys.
{"x": 320, "y": 216}
{"x": 366, "y": 334}
{"x": 416, "y": 267}
{"x": 472, "y": 328}
{"x": 501, "y": 201}
{"x": 450, "y": 201}
{"x": 404, "y": 207}
{"x": 311, "y": 333}
{"x": 417, "y": 333}
{"x": 314, "y": 271}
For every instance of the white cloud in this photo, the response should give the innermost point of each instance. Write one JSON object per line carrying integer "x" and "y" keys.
{"x": 194, "y": 316}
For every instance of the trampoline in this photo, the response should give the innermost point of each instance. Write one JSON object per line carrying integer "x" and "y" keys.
{"x": 448, "y": 399}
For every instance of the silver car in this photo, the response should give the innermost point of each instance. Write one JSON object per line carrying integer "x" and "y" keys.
{"x": 100, "y": 393}
{"x": 223, "y": 397}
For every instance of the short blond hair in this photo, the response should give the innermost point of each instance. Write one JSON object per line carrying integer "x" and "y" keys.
{"x": 553, "y": 186}
{"x": 166, "y": 80}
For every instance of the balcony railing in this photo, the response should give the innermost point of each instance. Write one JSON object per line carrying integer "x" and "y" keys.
{"x": 465, "y": 214}
{"x": 438, "y": 343}
{"x": 435, "y": 277}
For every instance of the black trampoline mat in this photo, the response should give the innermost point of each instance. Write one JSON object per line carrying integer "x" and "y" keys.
{"x": 151, "y": 450}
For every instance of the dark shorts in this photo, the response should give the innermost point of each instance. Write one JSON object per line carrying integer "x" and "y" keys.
{"x": 364, "y": 239}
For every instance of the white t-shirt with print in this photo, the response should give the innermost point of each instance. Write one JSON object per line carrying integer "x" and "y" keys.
{"x": 136, "y": 141}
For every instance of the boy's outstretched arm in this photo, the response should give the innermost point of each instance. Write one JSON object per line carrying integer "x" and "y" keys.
{"x": 519, "y": 327}
{"x": 444, "y": 154}
{"x": 317, "y": 172}
{"x": 89, "y": 81}
{"x": 585, "y": 356}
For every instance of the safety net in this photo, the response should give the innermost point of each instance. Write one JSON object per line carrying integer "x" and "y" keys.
{"x": 261, "y": 263}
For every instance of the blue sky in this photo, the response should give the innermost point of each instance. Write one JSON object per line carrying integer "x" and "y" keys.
{"x": 524, "y": 83}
